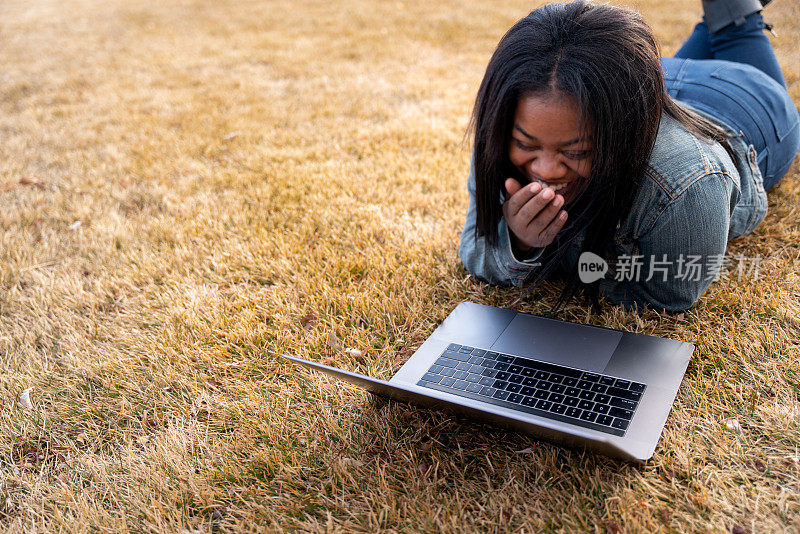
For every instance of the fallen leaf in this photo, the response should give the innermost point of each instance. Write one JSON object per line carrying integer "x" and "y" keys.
{"x": 215, "y": 383}
{"x": 309, "y": 321}
{"x": 25, "y": 399}
{"x": 216, "y": 515}
{"x": 75, "y": 225}
{"x": 526, "y": 450}
{"x": 423, "y": 468}
{"x": 792, "y": 459}
{"x": 733, "y": 425}
{"x": 355, "y": 353}
{"x": 142, "y": 440}
{"x": 760, "y": 466}
{"x": 229, "y": 136}
{"x": 738, "y": 529}
{"x": 31, "y": 181}
{"x": 613, "y": 526}
{"x": 333, "y": 341}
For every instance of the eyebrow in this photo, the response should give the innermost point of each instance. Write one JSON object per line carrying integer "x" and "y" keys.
{"x": 532, "y": 138}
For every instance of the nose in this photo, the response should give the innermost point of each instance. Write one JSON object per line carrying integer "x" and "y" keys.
{"x": 547, "y": 167}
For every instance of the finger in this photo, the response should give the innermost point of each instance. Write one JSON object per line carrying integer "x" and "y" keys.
{"x": 521, "y": 197}
{"x": 547, "y": 213}
{"x": 554, "y": 227}
{"x": 535, "y": 205}
{"x": 512, "y": 186}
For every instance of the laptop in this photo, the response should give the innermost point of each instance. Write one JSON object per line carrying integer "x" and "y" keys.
{"x": 580, "y": 386}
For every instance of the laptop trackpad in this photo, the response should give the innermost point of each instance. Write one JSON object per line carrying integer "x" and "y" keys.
{"x": 584, "y": 347}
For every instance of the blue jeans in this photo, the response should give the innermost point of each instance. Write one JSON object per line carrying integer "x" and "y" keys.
{"x": 734, "y": 76}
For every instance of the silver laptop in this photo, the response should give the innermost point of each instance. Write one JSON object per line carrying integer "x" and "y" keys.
{"x": 576, "y": 385}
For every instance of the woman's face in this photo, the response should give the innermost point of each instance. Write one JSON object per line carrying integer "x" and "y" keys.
{"x": 547, "y": 145}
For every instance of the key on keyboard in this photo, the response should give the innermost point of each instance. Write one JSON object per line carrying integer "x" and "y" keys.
{"x": 581, "y": 398}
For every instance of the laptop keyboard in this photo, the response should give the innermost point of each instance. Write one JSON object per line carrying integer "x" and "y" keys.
{"x": 590, "y": 400}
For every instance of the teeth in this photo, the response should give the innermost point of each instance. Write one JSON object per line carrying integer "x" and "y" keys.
{"x": 557, "y": 187}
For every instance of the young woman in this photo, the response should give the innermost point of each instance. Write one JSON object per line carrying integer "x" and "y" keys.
{"x": 586, "y": 141}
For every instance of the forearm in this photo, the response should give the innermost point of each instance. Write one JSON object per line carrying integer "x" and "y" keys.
{"x": 495, "y": 264}
{"x": 501, "y": 263}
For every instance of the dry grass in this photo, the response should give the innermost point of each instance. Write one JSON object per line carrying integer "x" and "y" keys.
{"x": 251, "y": 176}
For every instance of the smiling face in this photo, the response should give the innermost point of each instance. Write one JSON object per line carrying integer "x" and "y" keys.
{"x": 548, "y": 146}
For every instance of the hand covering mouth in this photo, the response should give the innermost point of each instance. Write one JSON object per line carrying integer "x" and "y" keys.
{"x": 554, "y": 187}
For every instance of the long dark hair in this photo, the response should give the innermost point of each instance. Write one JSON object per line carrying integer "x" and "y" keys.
{"x": 607, "y": 59}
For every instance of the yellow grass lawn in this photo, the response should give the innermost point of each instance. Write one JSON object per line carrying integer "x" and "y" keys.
{"x": 189, "y": 188}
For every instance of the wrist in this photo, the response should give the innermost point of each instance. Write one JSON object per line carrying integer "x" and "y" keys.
{"x": 520, "y": 250}
{"x": 517, "y": 245}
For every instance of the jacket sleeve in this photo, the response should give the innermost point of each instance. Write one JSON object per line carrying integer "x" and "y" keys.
{"x": 492, "y": 264}
{"x": 680, "y": 255}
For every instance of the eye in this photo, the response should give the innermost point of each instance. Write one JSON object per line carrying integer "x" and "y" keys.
{"x": 577, "y": 154}
{"x": 522, "y": 146}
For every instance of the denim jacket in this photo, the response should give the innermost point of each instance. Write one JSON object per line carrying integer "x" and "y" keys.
{"x": 691, "y": 201}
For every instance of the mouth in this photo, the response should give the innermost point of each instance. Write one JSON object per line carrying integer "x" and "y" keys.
{"x": 555, "y": 187}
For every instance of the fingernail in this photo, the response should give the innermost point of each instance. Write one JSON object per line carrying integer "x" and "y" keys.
{"x": 535, "y": 187}
{"x": 548, "y": 194}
